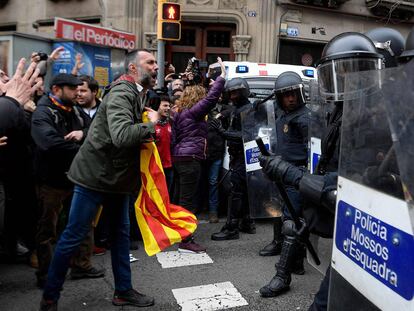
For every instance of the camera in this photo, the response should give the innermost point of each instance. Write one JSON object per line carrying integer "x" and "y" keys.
{"x": 214, "y": 70}
{"x": 42, "y": 56}
{"x": 194, "y": 68}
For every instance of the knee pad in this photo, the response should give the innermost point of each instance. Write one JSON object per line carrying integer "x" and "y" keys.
{"x": 289, "y": 228}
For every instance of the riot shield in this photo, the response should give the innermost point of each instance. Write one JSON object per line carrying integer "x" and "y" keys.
{"x": 264, "y": 198}
{"x": 320, "y": 111}
{"x": 318, "y": 121}
{"x": 373, "y": 239}
{"x": 400, "y": 112}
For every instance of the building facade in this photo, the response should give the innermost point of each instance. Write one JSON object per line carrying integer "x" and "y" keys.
{"x": 285, "y": 31}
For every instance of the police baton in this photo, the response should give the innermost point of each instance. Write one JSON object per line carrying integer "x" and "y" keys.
{"x": 258, "y": 103}
{"x": 289, "y": 205}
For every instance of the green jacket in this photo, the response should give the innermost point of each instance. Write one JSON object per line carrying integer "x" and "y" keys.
{"x": 109, "y": 159}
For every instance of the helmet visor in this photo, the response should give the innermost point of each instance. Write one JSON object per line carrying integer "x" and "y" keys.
{"x": 331, "y": 75}
{"x": 296, "y": 90}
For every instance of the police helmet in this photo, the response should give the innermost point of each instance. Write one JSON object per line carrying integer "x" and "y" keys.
{"x": 238, "y": 84}
{"x": 389, "y": 42}
{"x": 288, "y": 82}
{"x": 346, "y": 53}
{"x": 408, "y": 53}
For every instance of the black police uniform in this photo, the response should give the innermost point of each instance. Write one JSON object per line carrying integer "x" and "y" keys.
{"x": 292, "y": 146}
{"x": 239, "y": 207}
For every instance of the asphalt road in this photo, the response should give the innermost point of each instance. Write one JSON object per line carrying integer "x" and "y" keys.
{"x": 234, "y": 261}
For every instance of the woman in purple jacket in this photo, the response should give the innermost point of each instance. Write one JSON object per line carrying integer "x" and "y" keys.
{"x": 189, "y": 144}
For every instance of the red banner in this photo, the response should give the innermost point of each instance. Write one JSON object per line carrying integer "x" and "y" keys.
{"x": 76, "y": 31}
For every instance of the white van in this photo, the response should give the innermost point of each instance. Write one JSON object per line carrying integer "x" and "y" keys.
{"x": 261, "y": 77}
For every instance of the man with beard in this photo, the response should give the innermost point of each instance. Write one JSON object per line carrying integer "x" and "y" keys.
{"x": 86, "y": 97}
{"x": 106, "y": 171}
{"x": 58, "y": 131}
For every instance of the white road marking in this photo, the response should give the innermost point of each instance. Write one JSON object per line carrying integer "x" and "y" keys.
{"x": 218, "y": 296}
{"x": 177, "y": 259}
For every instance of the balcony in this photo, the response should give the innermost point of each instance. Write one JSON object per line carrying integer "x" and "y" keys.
{"x": 393, "y": 9}
{"x": 332, "y": 4}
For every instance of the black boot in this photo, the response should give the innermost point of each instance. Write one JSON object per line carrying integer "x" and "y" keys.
{"x": 247, "y": 225}
{"x": 280, "y": 283}
{"x": 230, "y": 231}
{"x": 298, "y": 267}
{"x": 275, "y": 247}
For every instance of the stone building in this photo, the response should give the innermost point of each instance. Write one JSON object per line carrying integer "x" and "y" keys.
{"x": 285, "y": 31}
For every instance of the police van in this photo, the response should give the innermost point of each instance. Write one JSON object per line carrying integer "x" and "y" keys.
{"x": 261, "y": 77}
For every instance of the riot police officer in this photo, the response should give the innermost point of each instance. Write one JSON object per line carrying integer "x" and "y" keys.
{"x": 238, "y": 91}
{"x": 389, "y": 42}
{"x": 345, "y": 53}
{"x": 292, "y": 138}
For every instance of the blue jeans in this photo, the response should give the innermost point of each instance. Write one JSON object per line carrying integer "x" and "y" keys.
{"x": 83, "y": 209}
{"x": 213, "y": 194}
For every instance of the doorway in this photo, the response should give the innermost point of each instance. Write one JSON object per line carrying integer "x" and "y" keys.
{"x": 203, "y": 41}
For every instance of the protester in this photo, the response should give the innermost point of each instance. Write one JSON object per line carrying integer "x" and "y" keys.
{"x": 189, "y": 144}
{"x": 163, "y": 139}
{"x": 106, "y": 170}
{"x": 58, "y": 131}
{"x": 86, "y": 97}
{"x": 18, "y": 195}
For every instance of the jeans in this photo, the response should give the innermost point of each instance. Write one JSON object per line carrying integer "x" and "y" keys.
{"x": 52, "y": 201}
{"x": 213, "y": 175}
{"x": 83, "y": 209}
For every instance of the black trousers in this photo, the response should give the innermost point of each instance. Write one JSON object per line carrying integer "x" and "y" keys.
{"x": 186, "y": 179}
{"x": 239, "y": 207}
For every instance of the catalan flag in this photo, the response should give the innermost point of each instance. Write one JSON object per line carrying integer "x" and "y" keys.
{"x": 162, "y": 224}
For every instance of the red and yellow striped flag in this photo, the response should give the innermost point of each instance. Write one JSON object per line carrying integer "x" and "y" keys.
{"x": 162, "y": 224}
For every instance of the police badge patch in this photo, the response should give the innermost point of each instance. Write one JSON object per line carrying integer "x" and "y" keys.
{"x": 285, "y": 128}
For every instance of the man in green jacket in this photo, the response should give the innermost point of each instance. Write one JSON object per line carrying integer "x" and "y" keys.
{"x": 105, "y": 171}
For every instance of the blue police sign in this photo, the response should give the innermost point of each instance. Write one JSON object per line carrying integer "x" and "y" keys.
{"x": 383, "y": 251}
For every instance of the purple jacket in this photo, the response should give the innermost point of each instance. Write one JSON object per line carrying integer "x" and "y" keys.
{"x": 189, "y": 130}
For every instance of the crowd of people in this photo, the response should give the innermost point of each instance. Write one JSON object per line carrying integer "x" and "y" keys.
{"x": 77, "y": 150}
{"x": 68, "y": 154}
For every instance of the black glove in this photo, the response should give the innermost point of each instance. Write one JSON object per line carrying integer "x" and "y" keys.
{"x": 386, "y": 181}
{"x": 274, "y": 167}
{"x": 289, "y": 229}
{"x": 216, "y": 124}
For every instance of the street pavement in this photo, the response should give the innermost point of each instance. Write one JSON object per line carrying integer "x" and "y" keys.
{"x": 232, "y": 277}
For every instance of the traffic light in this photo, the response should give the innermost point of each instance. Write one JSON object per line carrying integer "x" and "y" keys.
{"x": 169, "y": 26}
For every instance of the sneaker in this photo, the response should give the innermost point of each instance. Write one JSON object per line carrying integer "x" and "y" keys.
{"x": 21, "y": 250}
{"x": 191, "y": 247}
{"x": 48, "y": 305}
{"x": 133, "y": 298}
{"x": 99, "y": 251}
{"x": 91, "y": 273}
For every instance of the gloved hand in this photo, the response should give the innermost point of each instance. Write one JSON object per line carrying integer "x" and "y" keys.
{"x": 373, "y": 177}
{"x": 274, "y": 167}
{"x": 289, "y": 229}
{"x": 382, "y": 181}
{"x": 216, "y": 124}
